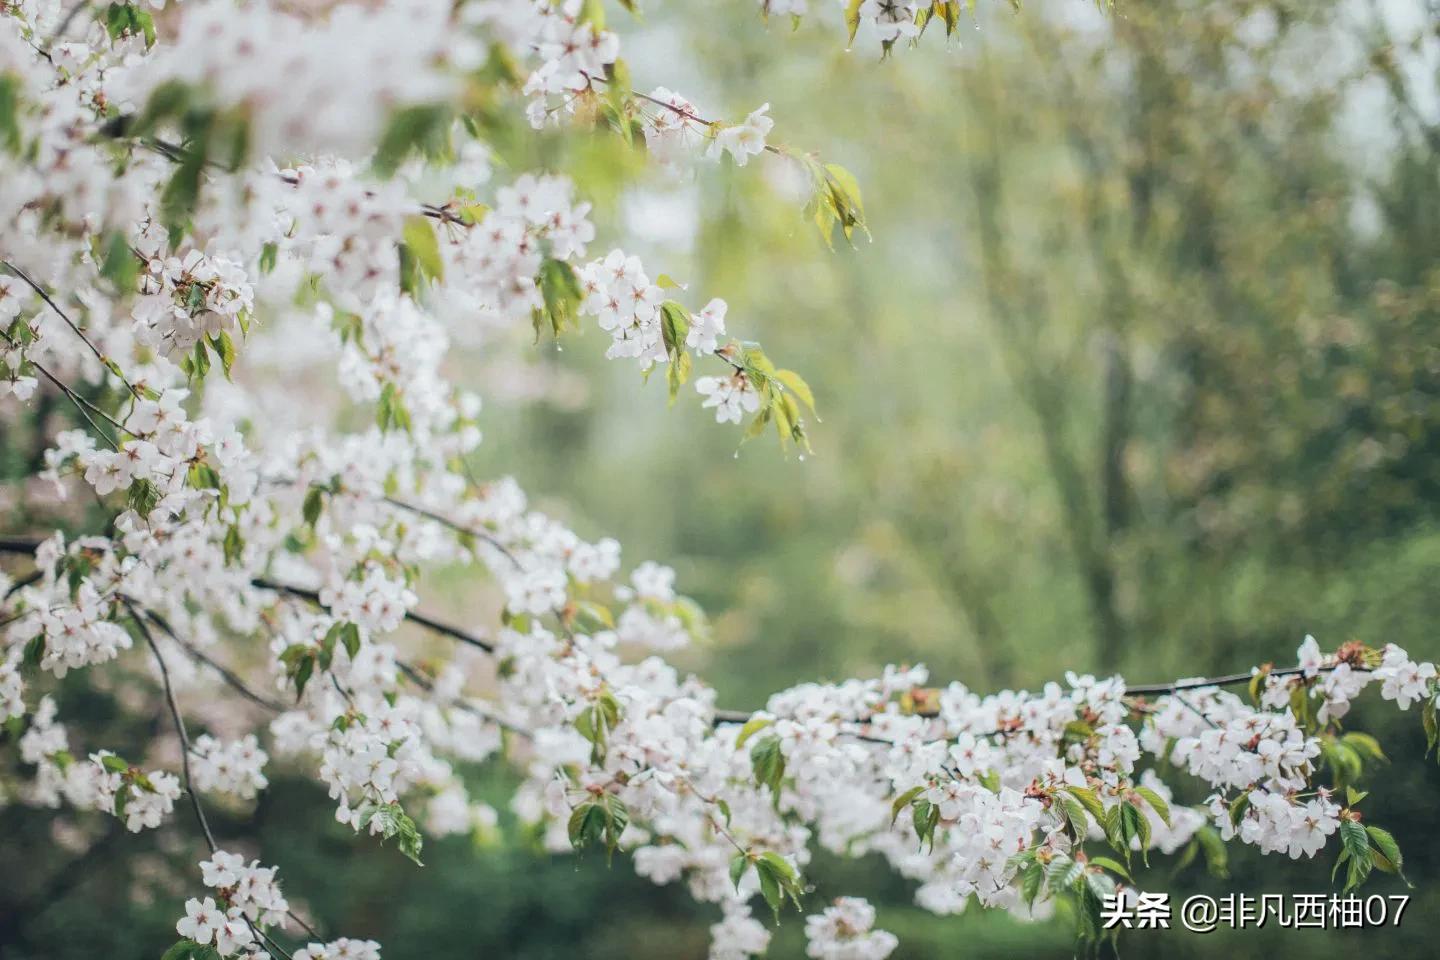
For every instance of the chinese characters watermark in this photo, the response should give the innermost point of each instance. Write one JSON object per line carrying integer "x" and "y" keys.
{"x": 1202, "y": 914}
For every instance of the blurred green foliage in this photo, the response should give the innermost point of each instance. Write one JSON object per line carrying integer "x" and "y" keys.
{"x": 1141, "y": 373}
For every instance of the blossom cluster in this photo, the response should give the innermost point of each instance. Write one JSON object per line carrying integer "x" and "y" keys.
{"x": 843, "y": 932}
{"x": 234, "y": 768}
{"x": 104, "y": 782}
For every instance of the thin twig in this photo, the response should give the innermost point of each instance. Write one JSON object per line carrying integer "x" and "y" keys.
{"x": 258, "y": 933}
{"x": 33, "y": 576}
{"x": 228, "y": 675}
{"x": 301, "y": 920}
{"x": 28, "y": 546}
{"x": 80, "y": 402}
{"x": 70, "y": 323}
{"x": 70, "y": 15}
{"x": 179, "y": 725}
{"x": 430, "y": 623}
{"x": 453, "y": 525}
{"x": 425, "y": 683}
{"x": 680, "y": 111}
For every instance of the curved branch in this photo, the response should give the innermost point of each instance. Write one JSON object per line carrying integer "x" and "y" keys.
{"x": 104, "y": 360}
{"x": 430, "y": 623}
{"x": 228, "y": 675}
{"x": 445, "y": 521}
{"x": 179, "y": 725}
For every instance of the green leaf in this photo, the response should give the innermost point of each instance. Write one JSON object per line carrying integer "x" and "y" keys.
{"x": 125, "y": 20}
{"x": 840, "y": 192}
{"x": 752, "y": 726}
{"x": 1238, "y": 807}
{"x": 224, "y": 348}
{"x": 1217, "y": 857}
{"x": 595, "y": 722}
{"x": 34, "y": 651}
{"x": 1074, "y": 815}
{"x": 1157, "y": 803}
{"x": 203, "y": 477}
{"x": 593, "y": 12}
{"x": 1136, "y": 825}
{"x": 350, "y": 637}
{"x": 560, "y": 291}
{"x": 122, "y": 800}
{"x": 1355, "y": 843}
{"x": 314, "y": 504}
{"x": 903, "y": 801}
{"x": 396, "y": 823}
{"x": 423, "y": 129}
{"x": 594, "y": 615}
{"x": 678, "y": 372}
{"x": 182, "y": 191}
{"x": 1300, "y": 705}
{"x": 142, "y": 497}
{"x": 757, "y": 425}
{"x": 617, "y": 818}
{"x": 778, "y": 881}
{"x": 303, "y": 671}
{"x": 1385, "y": 846}
{"x": 1428, "y": 722}
{"x": 674, "y": 325}
{"x": 420, "y": 240}
{"x": 1257, "y": 684}
{"x": 10, "y": 112}
{"x": 926, "y": 817}
{"x": 1031, "y": 883}
{"x": 327, "y": 645}
{"x": 1114, "y": 866}
{"x": 114, "y": 764}
{"x": 233, "y": 545}
{"x": 1090, "y": 800}
{"x": 390, "y": 412}
{"x": 120, "y": 264}
{"x": 852, "y": 17}
{"x": 1365, "y": 745}
{"x": 586, "y": 825}
{"x": 617, "y": 97}
{"x": 1115, "y": 833}
{"x": 796, "y": 384}
{"x": 738, "y": 863}
{"x": 779, "y": 864}
{"x": 770, "y": 889}
{"x": 769, "y": 765}
{"x": 200, "y": 359}
{"x": 1100, "y": 884}
{"x": 183, "y": 950}
{"x": 1062, "y": 873}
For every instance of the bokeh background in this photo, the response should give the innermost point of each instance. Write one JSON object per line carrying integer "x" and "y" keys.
{"x": 1141, "y": 372}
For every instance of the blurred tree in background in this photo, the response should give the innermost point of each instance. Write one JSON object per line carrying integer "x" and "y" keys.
{"x": 1141, "y": 372}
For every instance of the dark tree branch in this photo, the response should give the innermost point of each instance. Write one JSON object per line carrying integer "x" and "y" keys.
{"x": 430, "y": 623}
{"x": 179, "y": 725}
{"x": 106, "y": 361}
{"x": 228, "y": 675}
